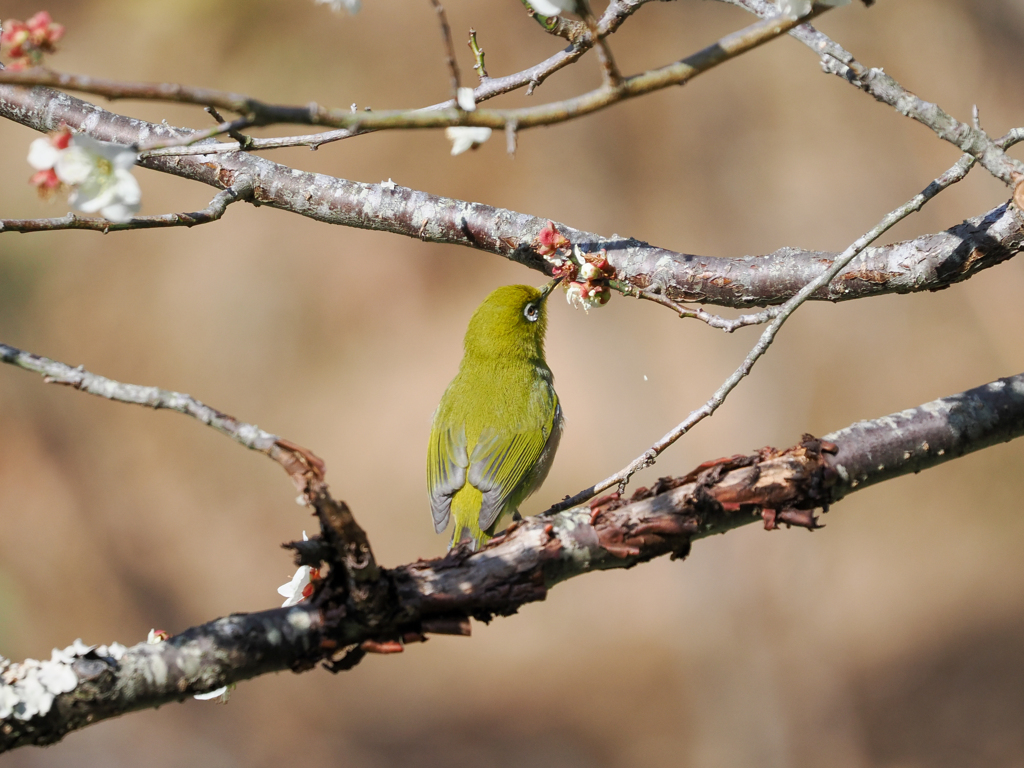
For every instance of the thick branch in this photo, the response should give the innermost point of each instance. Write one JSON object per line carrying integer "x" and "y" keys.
{"x": 518, "y": 567}
{"x": 926, "y": 263}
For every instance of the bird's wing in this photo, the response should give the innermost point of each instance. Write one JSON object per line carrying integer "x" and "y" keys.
{"x": 446, "y": 471}
{"x": 501, "y": 462}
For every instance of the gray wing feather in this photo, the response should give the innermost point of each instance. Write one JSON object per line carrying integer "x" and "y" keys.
{"x": 447, "y": 474}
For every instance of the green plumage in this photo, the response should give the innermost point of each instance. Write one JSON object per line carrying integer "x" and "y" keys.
{"x": 497, "y": 426}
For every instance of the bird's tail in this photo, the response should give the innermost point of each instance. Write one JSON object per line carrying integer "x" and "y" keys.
{"x": 466, "y": 514}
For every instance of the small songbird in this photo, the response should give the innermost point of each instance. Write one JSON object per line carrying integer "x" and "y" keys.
{"x": 496, "y": 429}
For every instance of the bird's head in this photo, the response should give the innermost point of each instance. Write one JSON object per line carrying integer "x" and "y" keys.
{"x": 510, "y": 322}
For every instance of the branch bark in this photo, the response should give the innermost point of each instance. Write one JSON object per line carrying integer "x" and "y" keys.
{"x": 926, "y": 263}
{"x": 515, "y": 568}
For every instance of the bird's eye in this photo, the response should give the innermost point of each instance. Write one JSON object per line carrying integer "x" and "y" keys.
{"x": 531, "y": 312}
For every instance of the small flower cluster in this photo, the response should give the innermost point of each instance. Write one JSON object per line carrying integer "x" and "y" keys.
{"x": 98, "y": 172}
{"x": 585, "y": 275}
{"x": 28, "y": 689}
{"x": 27, "y": 41}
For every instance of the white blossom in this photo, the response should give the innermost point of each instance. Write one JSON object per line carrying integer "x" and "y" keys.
{"x": 466, "y": 99}
{"x": 223, "y": 693}
{"x": 352, "y": 6}
{"x": 463, "y": 138}
{"x": 552, "y": 7}
{"x": 78, "y": 648}
{"x": 115, "y": 651}
{"x": 156, "y": 636}
{"x": 292, "y": 591}
{"x": 42, "y": 154}
{"x": 800, "y": 8}
{"x": 100, "y": 173}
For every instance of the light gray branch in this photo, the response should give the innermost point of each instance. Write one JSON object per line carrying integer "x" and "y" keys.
{"x": 297, "y": 461}
{"x": 926, "y": 263}
{"x": 838, "y": 61}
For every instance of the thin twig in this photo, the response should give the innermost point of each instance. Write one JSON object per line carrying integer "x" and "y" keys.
{"x": 609, "y": 69}
{"x": 782, "y": 313}
{"x": 613, "y": 17}
{"x": 680, "y": 72}
{"x": 252, "y": 144}
{"x": 241, "y": 190}
{"x": 874, "y": 81}
{"x": 478, "y": 56}
{"x": 449, "y": 47}
{"x": 296, "y": 460}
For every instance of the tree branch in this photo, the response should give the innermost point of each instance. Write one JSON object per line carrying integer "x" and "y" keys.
{"x": 926, "y": 263}
{"x": 515, "y": 568}
{"x": 882, "y": 87}
{"x": 778, "y": 318}
{"x": 240, "y": 190}
{"x": 297, "y": 461}
{"x": 340, "y": 529}
{"x": 257, "y": 112}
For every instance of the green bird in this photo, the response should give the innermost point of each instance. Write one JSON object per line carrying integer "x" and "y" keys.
{"x": 497, "y": 426}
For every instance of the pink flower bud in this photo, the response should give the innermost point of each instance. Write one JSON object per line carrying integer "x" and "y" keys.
{"x": 549, "y": 240}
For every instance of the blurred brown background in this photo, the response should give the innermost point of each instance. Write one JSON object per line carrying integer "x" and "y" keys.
{"x": 894, "y": 637}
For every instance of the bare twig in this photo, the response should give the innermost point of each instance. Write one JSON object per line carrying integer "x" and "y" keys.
{"x": 516, "y": 568}
{"x": 838, "y": 61}
{"x": 615, "y": 14}
{"x": 781, "y": 314}
{"x": 260, "y": 113}
{"x": 297, "y": 461}
{"x": 251, "y": 144}
{"x": 449, "y": 47}
{"x": 609, "y": 69}
{"x": 478, "y": 56}
{"x": 240, "y": 190}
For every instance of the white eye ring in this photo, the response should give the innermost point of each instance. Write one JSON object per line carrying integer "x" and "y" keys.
{"x": 531, "y": 312}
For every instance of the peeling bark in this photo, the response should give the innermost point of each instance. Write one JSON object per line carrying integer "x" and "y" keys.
{"x": 384, "y": 609}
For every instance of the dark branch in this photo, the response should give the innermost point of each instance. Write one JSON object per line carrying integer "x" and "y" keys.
{"x": 519, "y": 566}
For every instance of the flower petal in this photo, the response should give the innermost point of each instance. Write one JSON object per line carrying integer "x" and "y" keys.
{"x": 466, "y": 99}
{"x": 552, "y": 7}
{"x": 466, "y": 138}
{"x": 74, "y": 165}
{"x": 42, "y": 155}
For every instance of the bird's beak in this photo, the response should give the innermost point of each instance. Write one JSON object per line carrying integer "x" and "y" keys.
{"x": 549, "y": 288}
